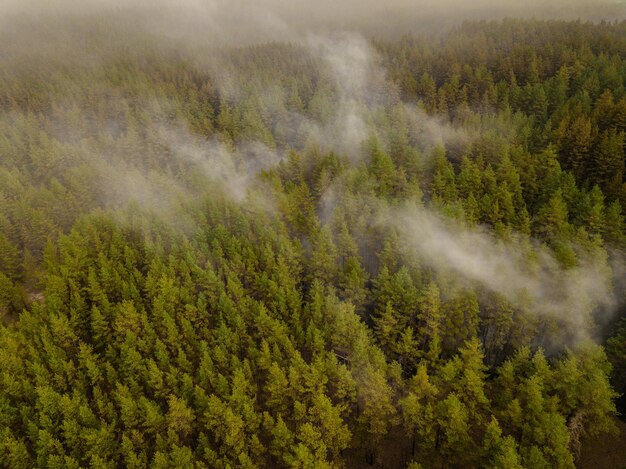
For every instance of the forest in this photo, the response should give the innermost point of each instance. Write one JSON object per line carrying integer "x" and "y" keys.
{"x": 339, "y": 252}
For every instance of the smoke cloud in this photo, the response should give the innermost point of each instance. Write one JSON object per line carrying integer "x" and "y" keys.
{"x": 228, "y": 22}
{"x": 51, "y": 30}
{"x": 527, "y": 275}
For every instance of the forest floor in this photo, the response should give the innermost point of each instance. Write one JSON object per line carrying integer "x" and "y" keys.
{"x": 393, "y": 452}
{"x": 606, "y": 452}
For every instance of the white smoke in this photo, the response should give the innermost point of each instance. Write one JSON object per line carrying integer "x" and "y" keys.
{"x": 527, "y": 275}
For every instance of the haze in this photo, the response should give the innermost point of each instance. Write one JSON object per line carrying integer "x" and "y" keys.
{"x": 247, "y": 21}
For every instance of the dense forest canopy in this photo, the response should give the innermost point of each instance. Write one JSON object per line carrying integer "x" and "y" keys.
{"x": 297, "y": 254}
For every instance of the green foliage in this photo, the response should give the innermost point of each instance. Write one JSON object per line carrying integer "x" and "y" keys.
{"x": 154, "y": 317}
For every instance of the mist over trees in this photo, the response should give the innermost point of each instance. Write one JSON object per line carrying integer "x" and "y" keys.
{"x": 312, "y": 253}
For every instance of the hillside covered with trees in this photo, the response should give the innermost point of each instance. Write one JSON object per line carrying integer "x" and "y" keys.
{"x": 294, "y": 255}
